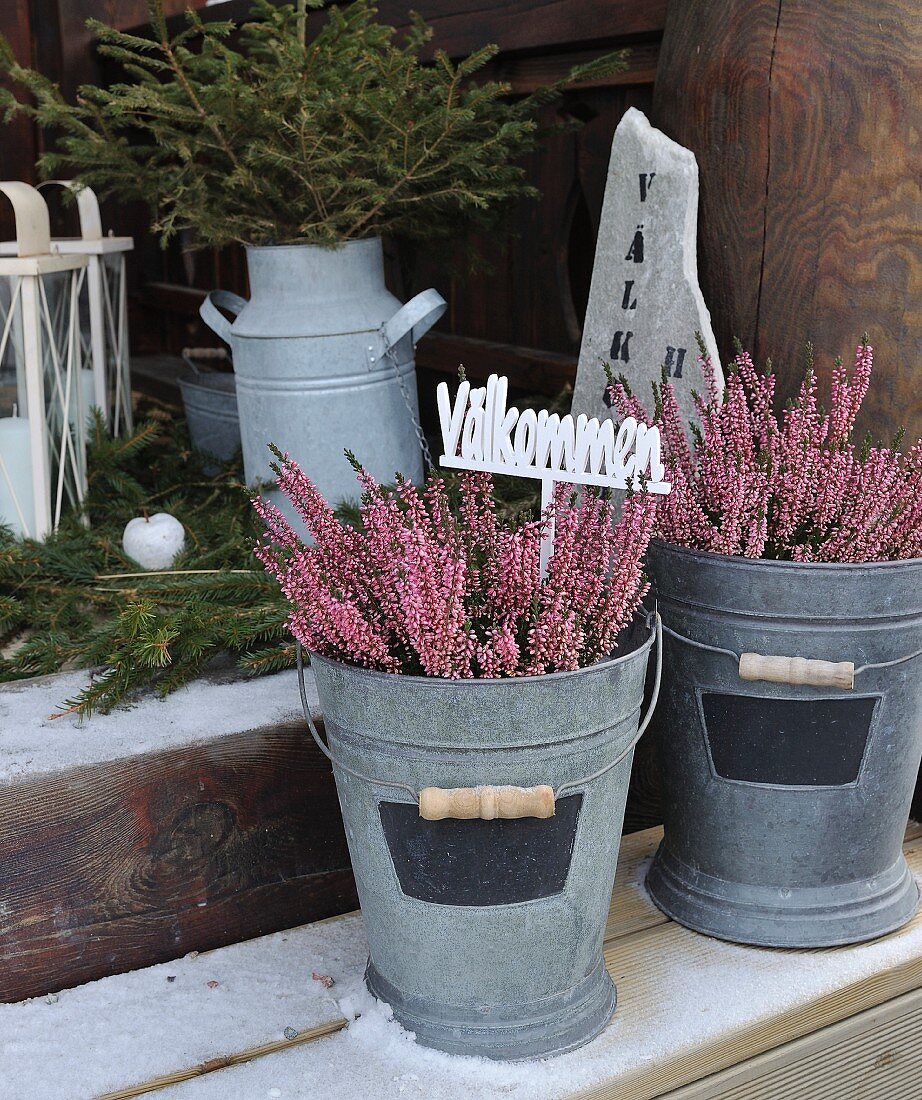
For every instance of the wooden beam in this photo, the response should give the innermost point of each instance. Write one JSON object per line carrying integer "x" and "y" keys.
{"x": 804, "y": 121}
{"x": 527, "y": 368}
{"x": 462, "y": 26}
{"x": 527, "y": 74}
{"x": 546, "y": 372}
{"x": 172, "y": 297}
{"x": 137, "y": 860}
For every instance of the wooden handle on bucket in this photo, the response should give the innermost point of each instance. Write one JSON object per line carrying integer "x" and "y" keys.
{"x": 797, "y": 670}
{"x": 487, "y": 803}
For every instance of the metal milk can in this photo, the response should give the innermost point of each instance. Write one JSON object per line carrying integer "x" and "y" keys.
{"x": 323, "y": 357}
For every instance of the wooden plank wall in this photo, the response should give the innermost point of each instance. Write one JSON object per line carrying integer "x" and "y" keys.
{"x": 811, "y": 182}
{"x": 524, "y": 317}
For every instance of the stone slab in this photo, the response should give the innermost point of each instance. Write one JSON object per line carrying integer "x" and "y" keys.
{"x": 645, "y": 305}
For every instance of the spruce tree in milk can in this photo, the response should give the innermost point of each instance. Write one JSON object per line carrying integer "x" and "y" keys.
{"x": 308, "y": 145}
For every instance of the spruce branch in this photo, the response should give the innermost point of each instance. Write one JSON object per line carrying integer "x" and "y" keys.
{"x": 250, "y": 133}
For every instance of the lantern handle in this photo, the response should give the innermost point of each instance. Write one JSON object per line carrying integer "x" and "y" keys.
{"x": 33, "y": 226}
{"x": 87, "y": 207}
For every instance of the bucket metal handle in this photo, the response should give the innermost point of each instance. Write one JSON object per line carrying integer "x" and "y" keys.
{"x": 216, "y": 320}
{"x": 794, "y": 670}
{"x": 487, "y": 803}
{"x": 417, "y": 316}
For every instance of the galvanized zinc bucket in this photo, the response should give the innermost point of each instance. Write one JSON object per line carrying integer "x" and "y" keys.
{"x": 787, "y": 782}
{"x": 485, "y": 928}
{"x": 210, "y": 403}
{"x": 323, "y": 356}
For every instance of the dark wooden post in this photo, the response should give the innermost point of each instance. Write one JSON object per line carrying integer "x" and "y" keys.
{"x": 804, "y": 116}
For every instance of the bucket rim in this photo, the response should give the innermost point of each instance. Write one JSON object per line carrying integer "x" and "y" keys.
{"x": 739, "y": 561}
{"x": 485, "y": 683}
{"x": 193, "y": 382}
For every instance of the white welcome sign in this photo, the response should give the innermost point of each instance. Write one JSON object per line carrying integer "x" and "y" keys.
{"x": 479, "y": 432}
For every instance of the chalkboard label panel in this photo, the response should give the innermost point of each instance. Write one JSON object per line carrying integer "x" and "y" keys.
{"x": 787, "y": 742}
{"x": 481, "y": 862}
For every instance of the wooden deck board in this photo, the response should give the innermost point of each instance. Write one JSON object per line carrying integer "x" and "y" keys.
{"x": 225, "y": 1061}
{"x": 631, "y": 908}
{"x": 669, "y": 979}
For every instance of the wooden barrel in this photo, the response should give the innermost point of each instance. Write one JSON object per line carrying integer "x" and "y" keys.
{"x": 805, "y": 119}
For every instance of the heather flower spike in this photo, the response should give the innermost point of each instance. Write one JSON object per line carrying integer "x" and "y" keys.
{"x": 793, "y": 487}
{"x": 427, "y": 585}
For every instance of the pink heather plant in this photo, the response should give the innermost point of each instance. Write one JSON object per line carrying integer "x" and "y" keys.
{"x": 422, "y": 587}
{"x": 794, "y": 487}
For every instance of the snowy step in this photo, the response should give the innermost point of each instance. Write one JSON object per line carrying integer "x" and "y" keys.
{"x": 176, "y": 824}
{"x": 697, "y": 1019}
{"x": 123, "y": 1035}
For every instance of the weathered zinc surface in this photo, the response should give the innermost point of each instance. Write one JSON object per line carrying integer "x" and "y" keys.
{"x": 323, "y": 357}
{"x": 785, "y": 805}
{"x": 645, "y": 306}
{"x": 485, "y": 937}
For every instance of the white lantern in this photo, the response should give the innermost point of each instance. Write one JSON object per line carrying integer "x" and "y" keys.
{"x": 104, "y": 297}
{"x": 42, "y": 446}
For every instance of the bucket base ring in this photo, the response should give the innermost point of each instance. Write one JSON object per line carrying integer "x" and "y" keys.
{"x": 811, "y": 917}
{"x": 514, "y": 1033}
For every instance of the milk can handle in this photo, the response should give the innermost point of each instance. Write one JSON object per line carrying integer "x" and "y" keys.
{"x": 418, "y": 316}
{"x": 215, "y": 320}
{"x": 487, "y": 802}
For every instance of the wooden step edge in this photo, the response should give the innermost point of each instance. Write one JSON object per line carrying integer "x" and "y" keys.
{"x": 843, "y": 1045}
{"x": 224, "y": 1061}
{"x": 641, "y": 928}
{"x": 757, "y": 1039}
{"x": 751, "y": 1040}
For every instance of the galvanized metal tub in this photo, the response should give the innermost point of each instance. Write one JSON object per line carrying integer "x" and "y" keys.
{"x": 785, "y": 805}
{"x": 485, "y": 937}
{"x": 323, "y": 356}
{"x": 210, "y": 403}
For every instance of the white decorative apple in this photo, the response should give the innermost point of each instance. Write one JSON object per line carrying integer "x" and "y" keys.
{"x": 154, "y": 542}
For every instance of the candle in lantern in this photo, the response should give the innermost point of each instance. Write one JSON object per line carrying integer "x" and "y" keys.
{"x": 87, "y": 387}
{"x": 17, "y": 503}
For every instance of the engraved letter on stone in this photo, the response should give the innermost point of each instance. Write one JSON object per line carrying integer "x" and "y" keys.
{"x": 635, "y": 252}
{"x": 619, "y": 346}
{"x": 675, "y": 357}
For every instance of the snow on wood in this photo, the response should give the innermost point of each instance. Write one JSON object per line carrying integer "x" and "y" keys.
{"x": 681, "y": 996}
{"x": 31, "y": 742}
{"x": 687, "y": 1006}
{"x": 129, "y": 1029}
